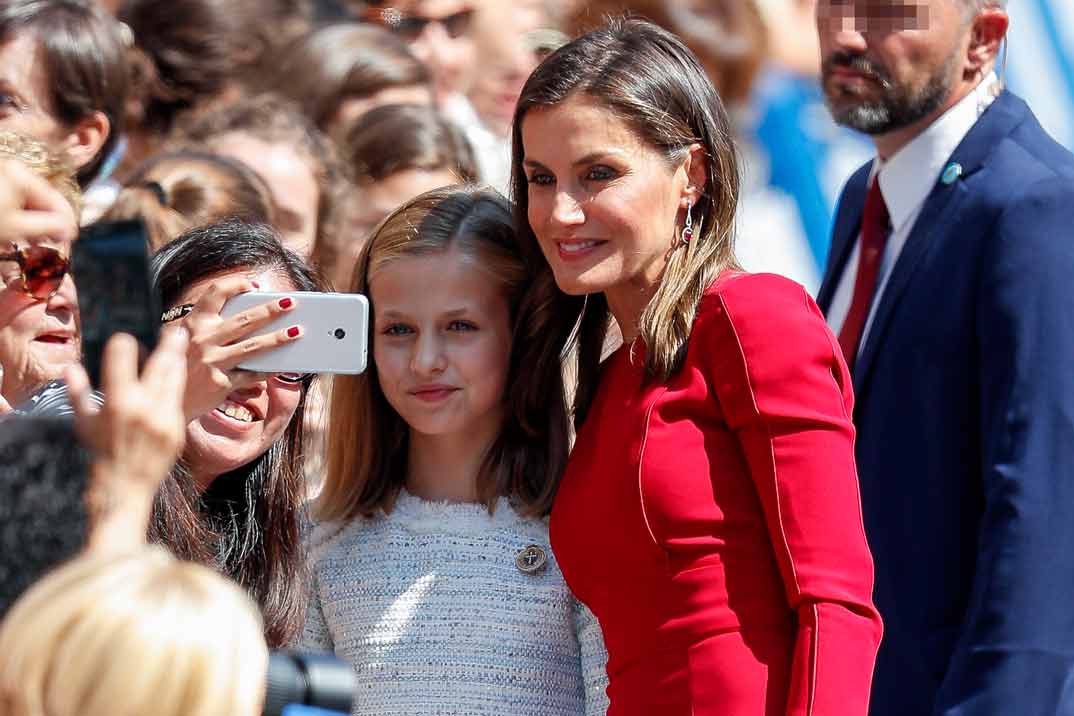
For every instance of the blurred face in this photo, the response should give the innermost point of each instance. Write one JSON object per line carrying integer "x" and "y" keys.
{"x": 887, "y": 64}
{"x": 441, "y": 352}
{"x": 38, "y": 338}
{"x": 603, "y": 204}
{"x": 507, "y": 59}
{"x": 375, "y": 201}
{"x": 25, "y": 105}
{"x": 290, "y": 179}
{"x": 439, "y": 34}
{"x": 245, "y": 425}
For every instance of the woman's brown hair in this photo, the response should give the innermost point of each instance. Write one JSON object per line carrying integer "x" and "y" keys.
{"x": 367, "y": 454}
{"x": 647, "y": 78}
{"x": 332, "y": 64}
{"x": 178, "y": 191}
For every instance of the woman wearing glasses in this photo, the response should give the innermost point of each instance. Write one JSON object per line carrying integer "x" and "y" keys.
{"x": 233, "y": 501}
{"x": 39, "y": 201}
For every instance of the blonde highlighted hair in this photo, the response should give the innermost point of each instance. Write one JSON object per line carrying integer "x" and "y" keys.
{"x": 39, "y": 158}
{"x": 141, "y": 633}
{"x": 367, "y": 439}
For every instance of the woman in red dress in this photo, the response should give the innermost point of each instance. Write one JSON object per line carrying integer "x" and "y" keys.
{"x": 709, "y": 514}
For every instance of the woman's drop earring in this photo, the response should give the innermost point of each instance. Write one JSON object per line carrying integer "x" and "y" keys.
{"x": 688, "y": 228}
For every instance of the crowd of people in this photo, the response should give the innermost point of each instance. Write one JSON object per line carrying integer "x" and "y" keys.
{"x": 631, "y": 439}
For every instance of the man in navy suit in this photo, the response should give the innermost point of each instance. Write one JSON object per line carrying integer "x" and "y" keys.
{"x": 950, "y": 284}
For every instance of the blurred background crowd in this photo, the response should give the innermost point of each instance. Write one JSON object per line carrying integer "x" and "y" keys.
{"x": 323, "y": 115}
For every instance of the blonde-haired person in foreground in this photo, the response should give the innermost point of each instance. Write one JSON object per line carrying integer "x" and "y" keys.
{"x": 142, "y": 633}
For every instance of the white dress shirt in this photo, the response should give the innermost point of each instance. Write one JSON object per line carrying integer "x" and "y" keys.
{"x": 906, "y": 180}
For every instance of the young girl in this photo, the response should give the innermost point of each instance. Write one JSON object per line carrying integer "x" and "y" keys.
{"x": 432, "y": 569}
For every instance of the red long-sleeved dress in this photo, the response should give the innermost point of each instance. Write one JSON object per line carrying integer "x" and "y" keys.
{"x": 713, "y": 523}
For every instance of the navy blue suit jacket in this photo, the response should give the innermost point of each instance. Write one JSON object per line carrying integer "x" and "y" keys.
{"x": 965, "y": 416}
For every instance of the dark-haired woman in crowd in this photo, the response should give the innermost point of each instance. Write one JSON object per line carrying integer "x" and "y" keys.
{"x": 178, "y": 191}
{"x": 234, "y": 500}
{"x": 709, "y": 514}
{"x": 338, "y": 73}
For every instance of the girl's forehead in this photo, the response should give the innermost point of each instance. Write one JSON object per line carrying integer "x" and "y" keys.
{"x": 428, "y": 281}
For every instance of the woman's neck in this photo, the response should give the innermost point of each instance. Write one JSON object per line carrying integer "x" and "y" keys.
{"x": 445, "y": 467}
{"x": 627, "y": 303}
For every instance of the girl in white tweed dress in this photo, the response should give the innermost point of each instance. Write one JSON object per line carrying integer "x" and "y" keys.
{"x": 432, "y": 570}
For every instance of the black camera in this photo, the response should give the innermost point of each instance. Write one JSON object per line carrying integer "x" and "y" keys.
{"x": 317, "y": 681}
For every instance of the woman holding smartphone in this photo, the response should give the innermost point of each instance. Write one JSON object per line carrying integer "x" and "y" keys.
{"x": 709, "y": 514}
{"x": 234, "y": 499}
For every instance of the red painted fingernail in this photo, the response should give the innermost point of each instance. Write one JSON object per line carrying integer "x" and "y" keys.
{"x": 286, "y": 303}
{"x": 293, "y": 332}
{"x": 255, "y": 284}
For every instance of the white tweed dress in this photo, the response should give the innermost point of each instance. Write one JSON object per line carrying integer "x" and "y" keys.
{"x": 437, "y": 618}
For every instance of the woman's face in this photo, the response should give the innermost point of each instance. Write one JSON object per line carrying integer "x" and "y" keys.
{"x": 604, "y": 205}
{"x": 38, "y": 339}
{"x": 250, "y": 420}
{"x": 290, "y": 179}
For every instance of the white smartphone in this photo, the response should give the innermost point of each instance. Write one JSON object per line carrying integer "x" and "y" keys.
{"x": 335, "y": 332}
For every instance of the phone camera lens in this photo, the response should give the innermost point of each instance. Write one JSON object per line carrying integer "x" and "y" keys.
{"x": 339, "y": 333}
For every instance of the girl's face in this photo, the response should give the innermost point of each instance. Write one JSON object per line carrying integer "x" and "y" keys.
{"x": 603, "y": 204}
{"x": 245, "y": 425}
{"x": 441, "y": 343}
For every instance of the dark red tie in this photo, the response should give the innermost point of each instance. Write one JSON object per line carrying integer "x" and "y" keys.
{"x": 874, "y": 235}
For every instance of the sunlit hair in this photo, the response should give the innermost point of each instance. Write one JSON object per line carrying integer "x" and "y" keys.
{"x": 36, "y": 156}
{"x": 729, "y": 37}
{"x": 247, "y": 523}
{"x": 175, "y": 192}
{"x": 141, "y": 633}
{"x": 645, "y": 77}
{"x": 323, "y": 69}
{"x": 367, "y": 439}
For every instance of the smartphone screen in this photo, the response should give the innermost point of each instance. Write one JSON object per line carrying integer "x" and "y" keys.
{"x": 110, "y": 264}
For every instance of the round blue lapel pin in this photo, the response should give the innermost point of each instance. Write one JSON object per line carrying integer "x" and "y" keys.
{"x": 952, "y": 173}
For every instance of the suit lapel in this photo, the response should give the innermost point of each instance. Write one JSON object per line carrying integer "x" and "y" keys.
{"x": 845, "y": 232}
{"x": 938, "y": 216}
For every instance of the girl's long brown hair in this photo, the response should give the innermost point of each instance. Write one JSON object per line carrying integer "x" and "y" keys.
{"x": 647, "y": 78}
{"x": 367, "y": 439}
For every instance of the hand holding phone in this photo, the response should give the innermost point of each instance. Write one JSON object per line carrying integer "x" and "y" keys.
{"x": 219, "y": 343}
{"x": 335, "y": 332}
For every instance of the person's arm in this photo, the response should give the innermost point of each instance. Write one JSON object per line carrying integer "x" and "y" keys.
{"x": 784, "y": 389}
{"x": 135, "y": 436}
{"x": 1015, "y": 651}
{"x": 594, "y": 658}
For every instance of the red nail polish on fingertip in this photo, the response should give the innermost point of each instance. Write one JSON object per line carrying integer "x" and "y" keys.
{"x": 293, "y": 332}
{"x": 256, "y": 285}
{"x": 286, "y": 303}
